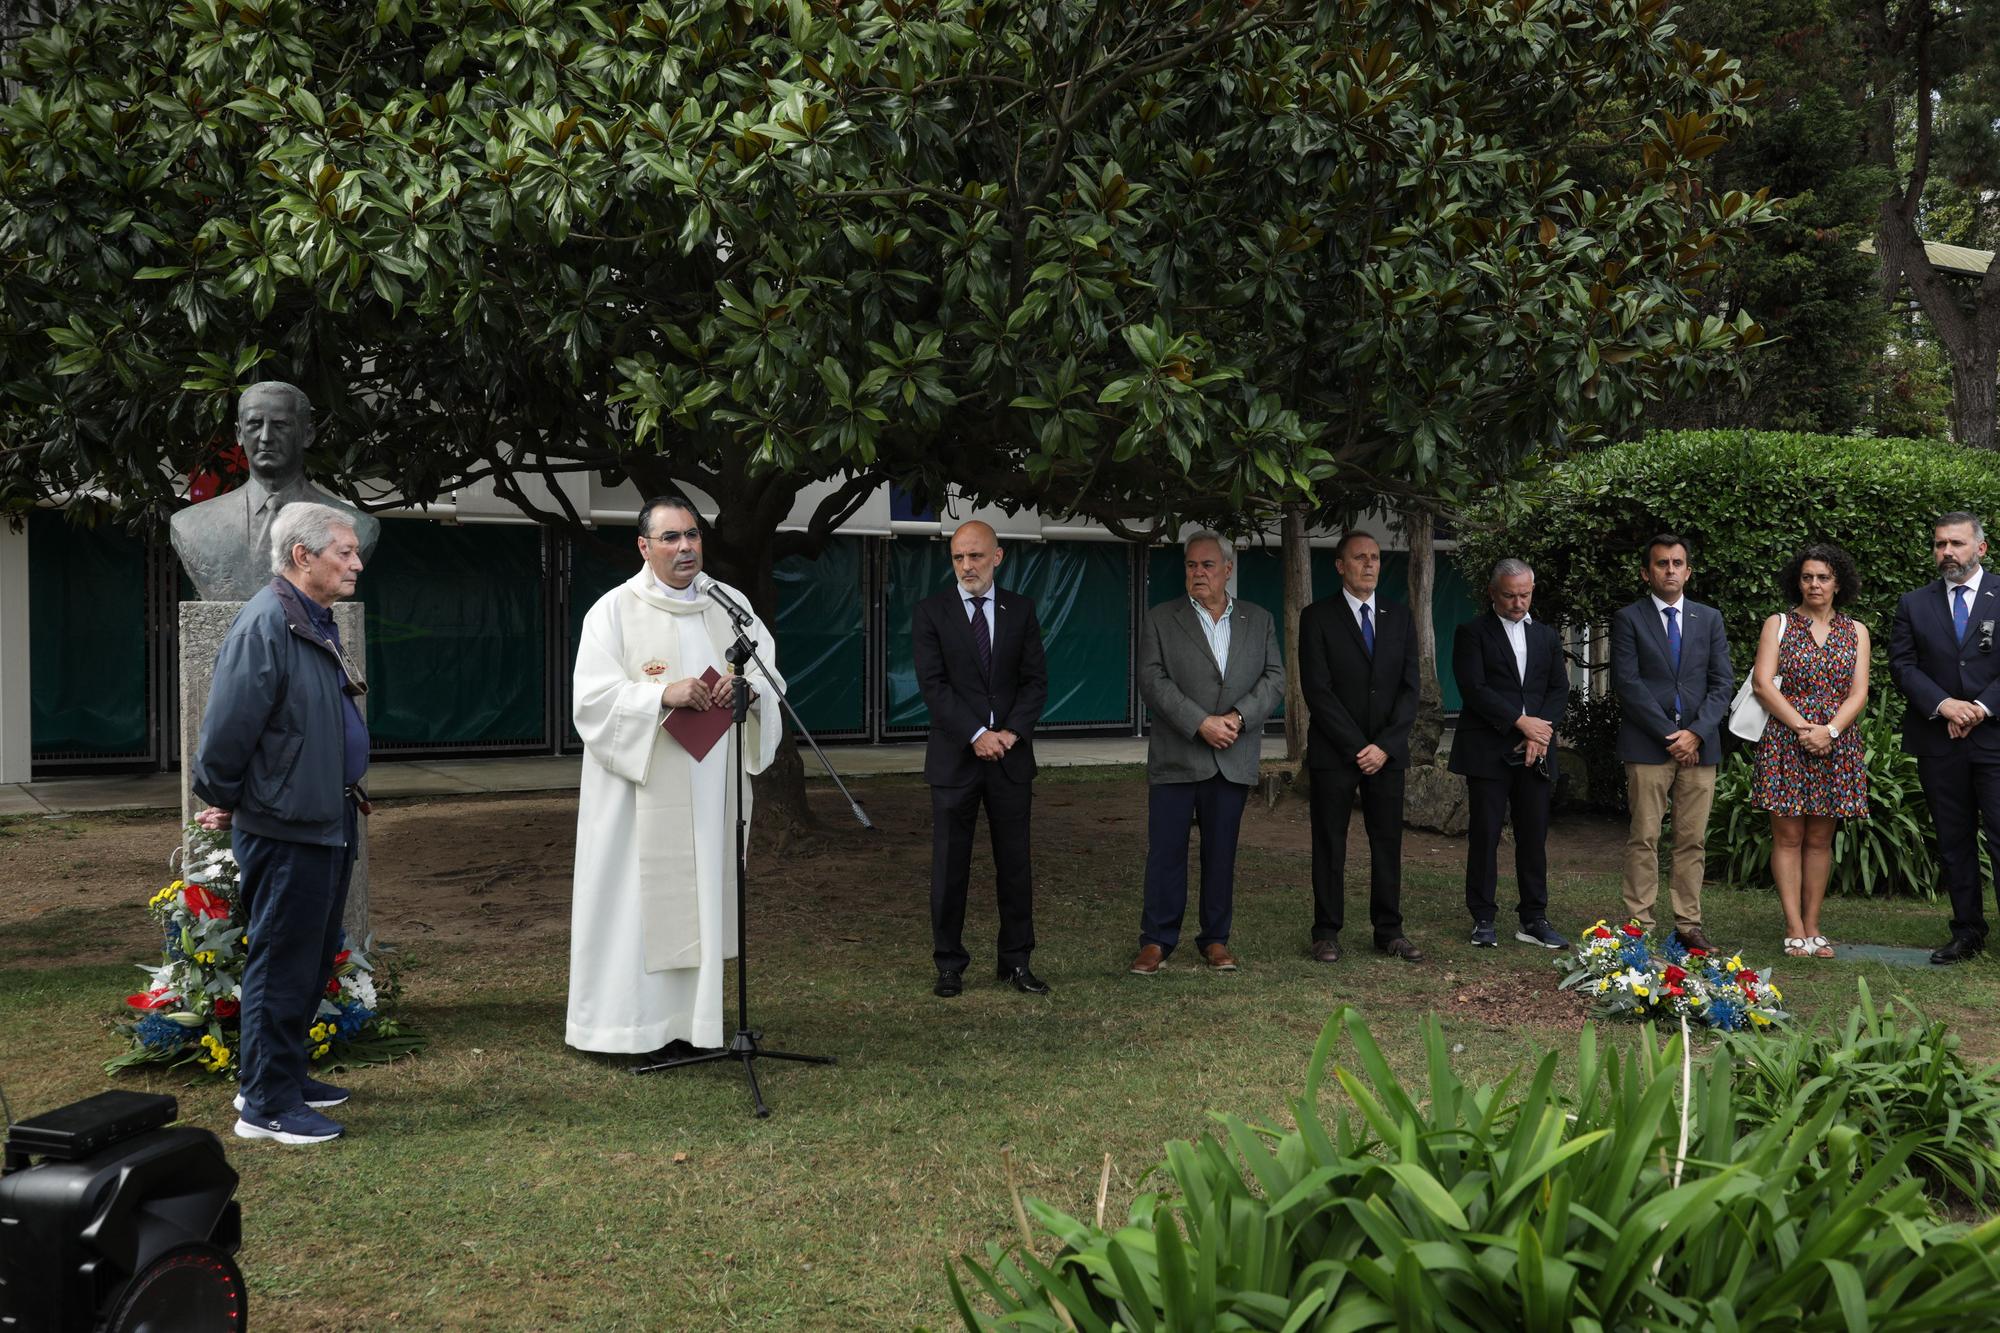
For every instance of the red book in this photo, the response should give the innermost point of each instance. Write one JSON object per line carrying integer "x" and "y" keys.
{"x": 698, "y": 729}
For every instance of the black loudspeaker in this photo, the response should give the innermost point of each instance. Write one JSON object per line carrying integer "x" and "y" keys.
{"x": 112, "y": 1223}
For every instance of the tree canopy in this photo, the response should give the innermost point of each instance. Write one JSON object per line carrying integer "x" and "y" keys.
{"x": 1128, "y": 261}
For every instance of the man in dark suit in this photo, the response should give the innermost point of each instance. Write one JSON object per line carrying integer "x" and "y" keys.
{"x": 1670, "y": 664}
{"x": 1358, "y": 670}
{"x": 1511, "y": 677}
{"x": 1942, "y": 657}
{"x": 1210, "y": 671}
{"x": 984, "y": 678}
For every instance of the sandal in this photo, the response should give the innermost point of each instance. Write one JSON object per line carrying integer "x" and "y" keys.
{"x": 1819, "y": 946}
{"x": 1801, "y": 948}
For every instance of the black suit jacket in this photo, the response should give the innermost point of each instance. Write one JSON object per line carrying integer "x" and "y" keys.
{"x": 1494, "y": 694}
{"x": 1930, "y": 665}
{"x": 1355, "y": 700}
{"x": 961, "y": 697}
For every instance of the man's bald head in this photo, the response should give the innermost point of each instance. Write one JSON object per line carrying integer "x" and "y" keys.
{"x": 975, "y": 556}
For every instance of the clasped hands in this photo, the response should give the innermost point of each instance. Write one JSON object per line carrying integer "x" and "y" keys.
{"x": 1814, "y": 739}
{"x": 1960, "y": 717}
{"x": 1536, "y": 737}
{"x": 1220, "y": 730}
{"x": 696, "y": 693}
{"x": 993, "y": 744}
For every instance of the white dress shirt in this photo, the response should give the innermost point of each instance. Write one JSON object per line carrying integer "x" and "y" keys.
{"x": 1971, "y": 586}
{"x": 1517, "y": 639}
{"x": 1354, "y": 605}
{"x": 1216, "y": 631}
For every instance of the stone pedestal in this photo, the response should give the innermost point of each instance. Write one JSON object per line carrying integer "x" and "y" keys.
{"x": 204, "y": 625}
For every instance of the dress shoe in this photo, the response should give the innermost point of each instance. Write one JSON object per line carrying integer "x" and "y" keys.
{"x": 950, "y": 982}
{"x": 1326, "y": 951}
{"x": 1024, "y": 981}
{"x": 1403, "y": 949}
{"x": 1692, "y": 938}
{"x": 1217, "y": 956}
{"x": 1147, "y": 964}
{"x": 1961, "y": 949}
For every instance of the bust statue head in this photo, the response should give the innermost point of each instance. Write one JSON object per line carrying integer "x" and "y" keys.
{"x": 273, "y": 426}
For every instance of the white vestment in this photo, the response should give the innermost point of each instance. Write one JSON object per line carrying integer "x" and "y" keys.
{"x": 653, "y": 914}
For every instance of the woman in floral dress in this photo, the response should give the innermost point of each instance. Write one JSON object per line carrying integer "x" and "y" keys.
{"x": 1812, "y": 676}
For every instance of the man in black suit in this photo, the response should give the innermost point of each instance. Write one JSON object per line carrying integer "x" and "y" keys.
{"x": 984, "y": 678}
{"x": 1670, "y": 665}
{"x": 1358, "y": 670}
{"x": 1511, "y": 677}
{"x": 1942, "y": 657}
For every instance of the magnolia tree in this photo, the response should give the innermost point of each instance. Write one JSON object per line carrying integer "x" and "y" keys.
{"x": 1136, "y": 262}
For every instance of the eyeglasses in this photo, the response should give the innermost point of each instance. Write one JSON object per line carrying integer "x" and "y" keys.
{"x": 691, "y": 536}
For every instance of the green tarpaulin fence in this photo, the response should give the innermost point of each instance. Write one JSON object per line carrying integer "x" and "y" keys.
{"x": 456, "y": 640}
{"x": 1082, "y": 593}
{"x": 822, "y": 636}
{"x": 87, "y": 652}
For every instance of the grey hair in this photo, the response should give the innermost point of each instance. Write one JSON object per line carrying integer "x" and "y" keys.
{"x": 1509, "y": 568}
{"x": 1222, "y": 544}
{"x": 303, "y": 523}
{"x": 1958, "y": 516}
{"x": 300, "y": 403}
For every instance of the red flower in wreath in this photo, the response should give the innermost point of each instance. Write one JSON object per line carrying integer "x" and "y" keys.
{"x": 333, "y": 988}
{"x": 1675, "y": 975}
{"x": 1600, "y": 933}
{"x": 1634, "y": 929}
{"x": 228, "y": 1008}
{"x": 341, "y": 957}
{"x": 158, "y": 999}
{"x": 1747, "y": 977}
{"x": 203, "y": 903}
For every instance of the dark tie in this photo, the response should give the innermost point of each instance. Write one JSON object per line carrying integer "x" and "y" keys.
{"x": 1674, "y": 651}
{"x": 981, "y": 636}
{"x": 1367, "y": 630}
{"x": 1961, "y": 616}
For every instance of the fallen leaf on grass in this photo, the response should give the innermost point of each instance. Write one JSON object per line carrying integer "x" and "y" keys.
{"x": 680, "y": 1157}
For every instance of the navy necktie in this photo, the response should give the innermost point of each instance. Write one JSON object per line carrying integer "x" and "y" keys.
{"x": 982, "y": 637}
{"x": 1367, "y": 631}
{"x": 1674, "y": 651}
{"x": 1961, "y": 613}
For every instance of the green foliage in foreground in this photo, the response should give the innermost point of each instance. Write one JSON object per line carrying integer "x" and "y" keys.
{"x": 1475, "y": 1208}
{"x": 1894, "y": 850}
{"x": 1895, "y": 1076}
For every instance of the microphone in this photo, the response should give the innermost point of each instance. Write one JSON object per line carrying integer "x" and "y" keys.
{"x": 708, "y": 586}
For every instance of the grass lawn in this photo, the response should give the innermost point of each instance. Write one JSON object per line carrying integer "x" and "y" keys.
{"x": 501, "y": 1180}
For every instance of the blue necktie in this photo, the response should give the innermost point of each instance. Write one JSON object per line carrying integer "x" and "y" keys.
{"x": 982, "y": 638}
{"x": 1961, "y": 614}
{"x": 1674, "y": 651}
{"x": 1367, "y": 631}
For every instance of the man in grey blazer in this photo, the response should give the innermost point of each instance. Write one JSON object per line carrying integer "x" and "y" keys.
{"x": 1210, "y": 671}
{"x": 1670, "y": 664}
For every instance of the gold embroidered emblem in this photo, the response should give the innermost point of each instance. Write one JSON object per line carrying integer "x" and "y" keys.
{"x": 655, "y": 668}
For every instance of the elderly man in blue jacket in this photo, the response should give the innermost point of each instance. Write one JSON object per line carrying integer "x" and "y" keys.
{"x": 283, "y": 748}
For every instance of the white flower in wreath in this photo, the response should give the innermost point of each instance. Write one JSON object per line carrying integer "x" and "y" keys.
{"x": 362, "y": 987}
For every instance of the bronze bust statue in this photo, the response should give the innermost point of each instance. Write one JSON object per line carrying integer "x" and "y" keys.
{"x": 225, "y": 543}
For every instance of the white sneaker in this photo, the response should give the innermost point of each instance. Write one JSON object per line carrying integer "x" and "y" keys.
{"x": 303, "y": 1125}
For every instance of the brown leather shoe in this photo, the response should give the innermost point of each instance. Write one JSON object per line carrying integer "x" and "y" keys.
{"x": 1148, "y": 962}
{"x": 1692, "y": 938}
{"x": 1326, "y": 951}
{"x": 1217, "y": 956}
{"x": 1403, "y": 949}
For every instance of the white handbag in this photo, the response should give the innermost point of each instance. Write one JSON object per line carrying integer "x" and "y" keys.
{"x": 1746, "y": 715}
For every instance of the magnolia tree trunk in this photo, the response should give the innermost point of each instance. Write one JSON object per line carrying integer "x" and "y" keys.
{"x": 1298, "y": 595}
{"x": 1428, "y": 734}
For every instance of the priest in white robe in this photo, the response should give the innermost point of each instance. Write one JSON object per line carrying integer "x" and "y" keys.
{"x": 653, "y": 915}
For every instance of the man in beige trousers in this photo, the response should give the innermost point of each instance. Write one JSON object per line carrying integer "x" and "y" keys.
{"x": 1670, "y": 664}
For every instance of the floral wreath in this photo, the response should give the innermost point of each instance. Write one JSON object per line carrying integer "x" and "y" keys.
{"x": 1631, "y": 978}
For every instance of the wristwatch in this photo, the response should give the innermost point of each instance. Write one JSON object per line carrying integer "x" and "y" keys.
{"x": 1832, "y": 732}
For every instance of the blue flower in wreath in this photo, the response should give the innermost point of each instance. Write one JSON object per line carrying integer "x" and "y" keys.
{"x": 1633, "y": 952}
{"x": 351, "y": 1019}
{"x": 1725, "y": 1014}
{"x": 161, "y": 1033}
{"x": 172, "y": 932}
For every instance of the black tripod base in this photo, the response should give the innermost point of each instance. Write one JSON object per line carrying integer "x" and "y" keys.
{"x": 742, "y": 1046}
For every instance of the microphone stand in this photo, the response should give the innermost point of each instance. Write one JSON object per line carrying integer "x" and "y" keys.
{"x": 744, "y": 1043}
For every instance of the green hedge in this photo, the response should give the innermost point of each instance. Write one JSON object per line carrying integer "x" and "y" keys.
{"x": 1746, "y": 501}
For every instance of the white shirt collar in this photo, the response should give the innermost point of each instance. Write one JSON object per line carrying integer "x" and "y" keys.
{"x": 1971, "y": 585}
{"x": 1228, "y": 609}
{"x": 687, "y": 594}
{"x": 1354, "y": 604}
{"x": 1522, "y": 623}
{"x": 992, "y": 594}
{"x": 1660, "y": 606}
